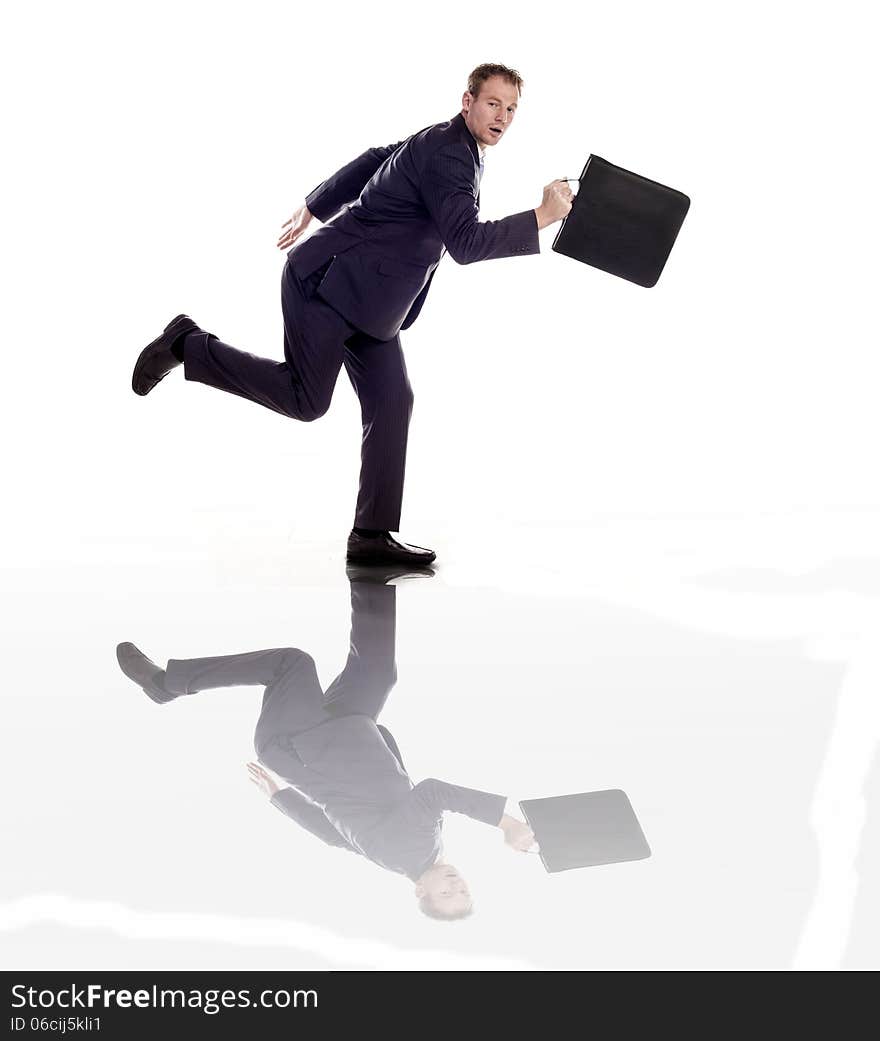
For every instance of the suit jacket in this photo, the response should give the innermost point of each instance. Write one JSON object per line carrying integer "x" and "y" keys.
{"x": 405, "y": 205}
{"x": 379, "y": 814}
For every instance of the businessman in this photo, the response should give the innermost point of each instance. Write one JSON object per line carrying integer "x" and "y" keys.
{"x": 350, "y": 288}
{"x": 345, "y": 779}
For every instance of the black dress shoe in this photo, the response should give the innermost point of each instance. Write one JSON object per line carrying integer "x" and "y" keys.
{"x": 383, "y": 549}
{"x": 145, "y": 673}
{"x": 157, "y": 359}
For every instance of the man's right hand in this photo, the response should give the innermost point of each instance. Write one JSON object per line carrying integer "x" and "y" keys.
{"x": 293, "y": 228}
{"x": 517, "y": 835}
{"x": 555, "y": 205}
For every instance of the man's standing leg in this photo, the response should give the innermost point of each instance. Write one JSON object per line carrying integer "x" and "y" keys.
{"x": 377, "y": 371}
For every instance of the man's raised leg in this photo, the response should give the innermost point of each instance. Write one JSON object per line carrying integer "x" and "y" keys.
{"x": 300, "y": 387}
{"x": 265, "y": 381}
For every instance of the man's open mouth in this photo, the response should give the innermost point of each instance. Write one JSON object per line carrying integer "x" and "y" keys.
{"x": 495, "y": 130}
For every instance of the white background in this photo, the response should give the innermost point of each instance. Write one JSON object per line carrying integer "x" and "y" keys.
{"x": 566, "y": 423}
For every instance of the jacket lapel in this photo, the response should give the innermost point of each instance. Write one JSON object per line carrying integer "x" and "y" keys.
{"x": 468, "y": 138}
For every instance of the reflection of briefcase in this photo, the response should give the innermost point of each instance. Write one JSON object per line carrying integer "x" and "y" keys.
{"x": 584, "y": 830}
{"x": 621, "y": 222}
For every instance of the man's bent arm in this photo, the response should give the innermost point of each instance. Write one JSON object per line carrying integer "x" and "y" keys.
{"x": 309, "y": 816}
{"x": 447, "y": 189}
{"x": 347, "y": 184}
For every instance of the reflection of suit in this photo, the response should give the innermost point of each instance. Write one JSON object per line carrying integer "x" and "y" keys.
{"x": 348, "y": 783}
{"x": 349, "y": 289}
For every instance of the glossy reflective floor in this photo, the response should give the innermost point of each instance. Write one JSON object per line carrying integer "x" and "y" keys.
{"x": 722, "y": 672}
{"x": 655, "y": 511}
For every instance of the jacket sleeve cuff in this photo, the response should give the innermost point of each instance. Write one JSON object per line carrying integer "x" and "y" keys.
{"x": 280, "y": 799}
{"x": 317, "y": 207}
{"x": 527, "y": 241}
{"x": 493, "y": 809}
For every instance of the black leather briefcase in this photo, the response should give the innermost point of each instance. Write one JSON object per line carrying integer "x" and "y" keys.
{"x": 622, "y": 223}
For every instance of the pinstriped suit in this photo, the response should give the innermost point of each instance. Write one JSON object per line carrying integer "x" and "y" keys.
{"x": 349, "y": 289}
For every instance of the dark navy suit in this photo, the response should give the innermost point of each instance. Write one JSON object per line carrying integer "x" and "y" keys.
{"x": 349, "y": 289}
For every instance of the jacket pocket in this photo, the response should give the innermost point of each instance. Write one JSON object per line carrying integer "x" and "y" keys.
{"x": 399, "y": 269}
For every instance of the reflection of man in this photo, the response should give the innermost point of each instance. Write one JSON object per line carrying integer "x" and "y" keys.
{"x": 349, "y": 289}
{"x": 347, "y": 782}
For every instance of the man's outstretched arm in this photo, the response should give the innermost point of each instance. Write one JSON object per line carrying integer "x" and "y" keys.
{"x": 431, "y": 797}
{"x": 447, "y": 190}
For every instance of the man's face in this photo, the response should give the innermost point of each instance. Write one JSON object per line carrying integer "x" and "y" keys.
{"x": 490, "y": 113}
{"x": 446, "y": 888}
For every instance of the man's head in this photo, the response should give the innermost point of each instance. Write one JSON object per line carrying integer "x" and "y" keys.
{"x": 489, "y": 103}
{"x": 443, "y": 893}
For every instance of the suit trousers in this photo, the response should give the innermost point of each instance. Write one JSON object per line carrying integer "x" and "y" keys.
{"x": 293, "y": 700}
{"x": 318, "y": 341}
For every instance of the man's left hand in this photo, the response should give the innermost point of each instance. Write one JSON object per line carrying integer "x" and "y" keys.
{"x": 262, "y": 779}
{"x": 293, "y": 228}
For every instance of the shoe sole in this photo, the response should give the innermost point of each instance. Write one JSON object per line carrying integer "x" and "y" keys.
{"x": 383, "y": 561}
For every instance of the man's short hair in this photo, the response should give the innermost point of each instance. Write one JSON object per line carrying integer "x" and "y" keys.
{"x": 429, "y": 908}
{"x": 482, "y": 72}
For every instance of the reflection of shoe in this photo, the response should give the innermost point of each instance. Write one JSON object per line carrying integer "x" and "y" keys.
{"x": 157, "y": 359}
{"x": 383, "y": 549}
{"x": 382, "y": 574}
{"x": 145, "y": 673}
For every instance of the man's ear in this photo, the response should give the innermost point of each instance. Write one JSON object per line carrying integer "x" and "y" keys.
{"x": 466, "y": 100}
{"x": 420, "y": 890}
